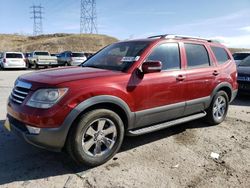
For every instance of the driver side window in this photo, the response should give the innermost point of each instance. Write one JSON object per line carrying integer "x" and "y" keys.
{"x": 168, "y": 54}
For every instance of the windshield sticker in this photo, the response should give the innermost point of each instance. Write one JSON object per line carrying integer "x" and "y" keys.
{"x": 130, "y": 59}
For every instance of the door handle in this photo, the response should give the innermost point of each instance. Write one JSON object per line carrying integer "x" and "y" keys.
{"x": 215, "y": 73}
{"x": 180, "y": 78}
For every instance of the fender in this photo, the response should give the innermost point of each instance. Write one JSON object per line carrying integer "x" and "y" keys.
{"x": 71, "y": 117}
{"x": 104, "y": 99}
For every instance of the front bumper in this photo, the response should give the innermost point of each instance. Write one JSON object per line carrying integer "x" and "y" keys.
{"x": 49, "y": 138}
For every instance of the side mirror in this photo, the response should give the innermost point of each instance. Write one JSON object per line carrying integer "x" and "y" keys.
{"x": 151, "y": 67}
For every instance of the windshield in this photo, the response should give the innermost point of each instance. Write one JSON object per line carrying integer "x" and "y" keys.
{"x": 41, "y": 53}
{"x": 245, "y": 62}
{"x": 14, "y": 55}
{"x": 77, "y": 55}
{"x": 118, "y": 56}
{"x": 240, "y": 56}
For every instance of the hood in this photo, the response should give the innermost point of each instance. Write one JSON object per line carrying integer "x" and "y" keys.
{"x": 56, "y": 76}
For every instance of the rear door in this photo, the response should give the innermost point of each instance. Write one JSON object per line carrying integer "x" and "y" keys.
{"x": 200, "y": 77}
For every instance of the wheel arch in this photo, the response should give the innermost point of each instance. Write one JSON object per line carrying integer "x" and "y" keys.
{"x": 224, "y": 86}
{"x": 104, "y": 101}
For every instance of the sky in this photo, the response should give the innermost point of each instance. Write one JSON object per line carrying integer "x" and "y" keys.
{"x": 224, "y": 20}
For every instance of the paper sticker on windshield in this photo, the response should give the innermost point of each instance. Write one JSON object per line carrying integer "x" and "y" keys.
{"x": 130, "y": 59}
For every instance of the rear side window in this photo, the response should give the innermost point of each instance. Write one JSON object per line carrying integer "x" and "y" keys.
{"x": 77, "y": 55}
{"x": 168, "y": 54}
{"x": 197, "y": 56}
{"x": 14, "y": 55}
{"x": 220, "y": 54}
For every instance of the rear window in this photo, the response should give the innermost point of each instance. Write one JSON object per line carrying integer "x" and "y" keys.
{"x": 197, "y": 56}
{"x": 14, "y": 55}
{"x": 220, "y": 54}
{"x": 240, "y": 56}
{"x": 41, "y": 53}
{"x": 77, "y": 55}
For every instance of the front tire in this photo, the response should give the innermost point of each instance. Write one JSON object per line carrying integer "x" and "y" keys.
{"x": 96, "y": 137}
{"x": 217, "y": 111}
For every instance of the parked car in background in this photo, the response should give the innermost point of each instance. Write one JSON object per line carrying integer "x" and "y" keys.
{"x": 239, "y": 56}
{"x": 88, "y": 54}
{"x": 10, "y": 60}
{"x": 42, "y": 58}
{"x": 131, "y": 87}
{"x": 54, "y": 54}
{"x": 69, "y": 58}
{"x": 244, "y": 76}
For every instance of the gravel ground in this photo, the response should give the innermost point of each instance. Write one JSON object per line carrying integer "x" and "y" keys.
{"x": 174, "y": 157}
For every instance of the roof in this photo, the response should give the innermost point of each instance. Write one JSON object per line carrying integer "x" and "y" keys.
{"x": 173, "y": 36}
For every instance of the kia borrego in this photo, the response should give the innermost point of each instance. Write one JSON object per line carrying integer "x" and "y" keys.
{"x": 128, "y": 88}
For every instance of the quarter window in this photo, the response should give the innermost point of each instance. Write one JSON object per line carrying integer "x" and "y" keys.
{"x": 220, "y": 54}
{"x": 168, "y": 54}
{"x": 197, "y": 56}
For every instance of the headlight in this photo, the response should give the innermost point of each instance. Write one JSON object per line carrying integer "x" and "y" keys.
{"x": 46, "y": 98}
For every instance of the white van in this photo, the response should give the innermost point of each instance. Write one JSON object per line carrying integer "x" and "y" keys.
{"x": 12, "y": 60}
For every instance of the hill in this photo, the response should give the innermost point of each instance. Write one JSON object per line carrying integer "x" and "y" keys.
{"x": 232, "y": 50}
{"x": 55, "y": 43}
{"x": 59, "y": 42}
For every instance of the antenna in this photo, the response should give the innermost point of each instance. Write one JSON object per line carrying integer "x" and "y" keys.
{"x": 88, "y": 17}
{"x": 36, "y": 11}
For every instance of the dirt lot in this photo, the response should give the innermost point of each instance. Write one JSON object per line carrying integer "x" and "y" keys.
{"x": 175, "y": 157}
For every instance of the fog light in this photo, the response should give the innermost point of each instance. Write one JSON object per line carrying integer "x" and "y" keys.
{"x": 33, "y": 130}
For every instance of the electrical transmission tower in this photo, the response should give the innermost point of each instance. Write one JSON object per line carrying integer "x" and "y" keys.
{"x": 37, "y": 19}
{"x": 88, "y": 17}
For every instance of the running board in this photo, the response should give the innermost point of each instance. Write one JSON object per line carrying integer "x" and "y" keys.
{"x": 164, "y": 125}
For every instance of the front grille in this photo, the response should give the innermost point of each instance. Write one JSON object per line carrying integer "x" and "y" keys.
{"x": 20, "y": 91}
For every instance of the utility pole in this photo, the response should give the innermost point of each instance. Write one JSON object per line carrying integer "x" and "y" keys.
{"x": 88, "y": 17}
{"x": 36, "y": 11}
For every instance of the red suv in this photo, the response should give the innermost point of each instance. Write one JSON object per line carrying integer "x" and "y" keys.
{"x": 131, "y": 87}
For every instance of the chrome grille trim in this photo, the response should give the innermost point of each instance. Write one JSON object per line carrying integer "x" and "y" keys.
{"x": 18, "y": 96}
{"x": 20, "y": 91}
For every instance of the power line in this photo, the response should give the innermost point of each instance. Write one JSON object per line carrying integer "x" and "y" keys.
{"x": 88, "y": 17}
{"x": 37, "y": 19}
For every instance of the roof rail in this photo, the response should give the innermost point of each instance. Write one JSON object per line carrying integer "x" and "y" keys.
{"x": 171, "y": 36}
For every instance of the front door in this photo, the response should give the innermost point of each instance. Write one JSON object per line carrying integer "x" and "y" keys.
{"x": 160, "y": 96}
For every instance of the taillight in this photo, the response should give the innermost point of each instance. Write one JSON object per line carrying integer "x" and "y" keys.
{"x": 4, "y": 60}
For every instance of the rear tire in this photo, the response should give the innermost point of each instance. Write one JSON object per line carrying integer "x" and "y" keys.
{"x": 36, "y": 65}
{"x": 217, "y": 111}
{"x": 96, "y": 137}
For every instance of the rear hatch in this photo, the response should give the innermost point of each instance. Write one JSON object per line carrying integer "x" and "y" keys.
{"x": 15, "y": 59}
{"x": 78, "y": 58}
